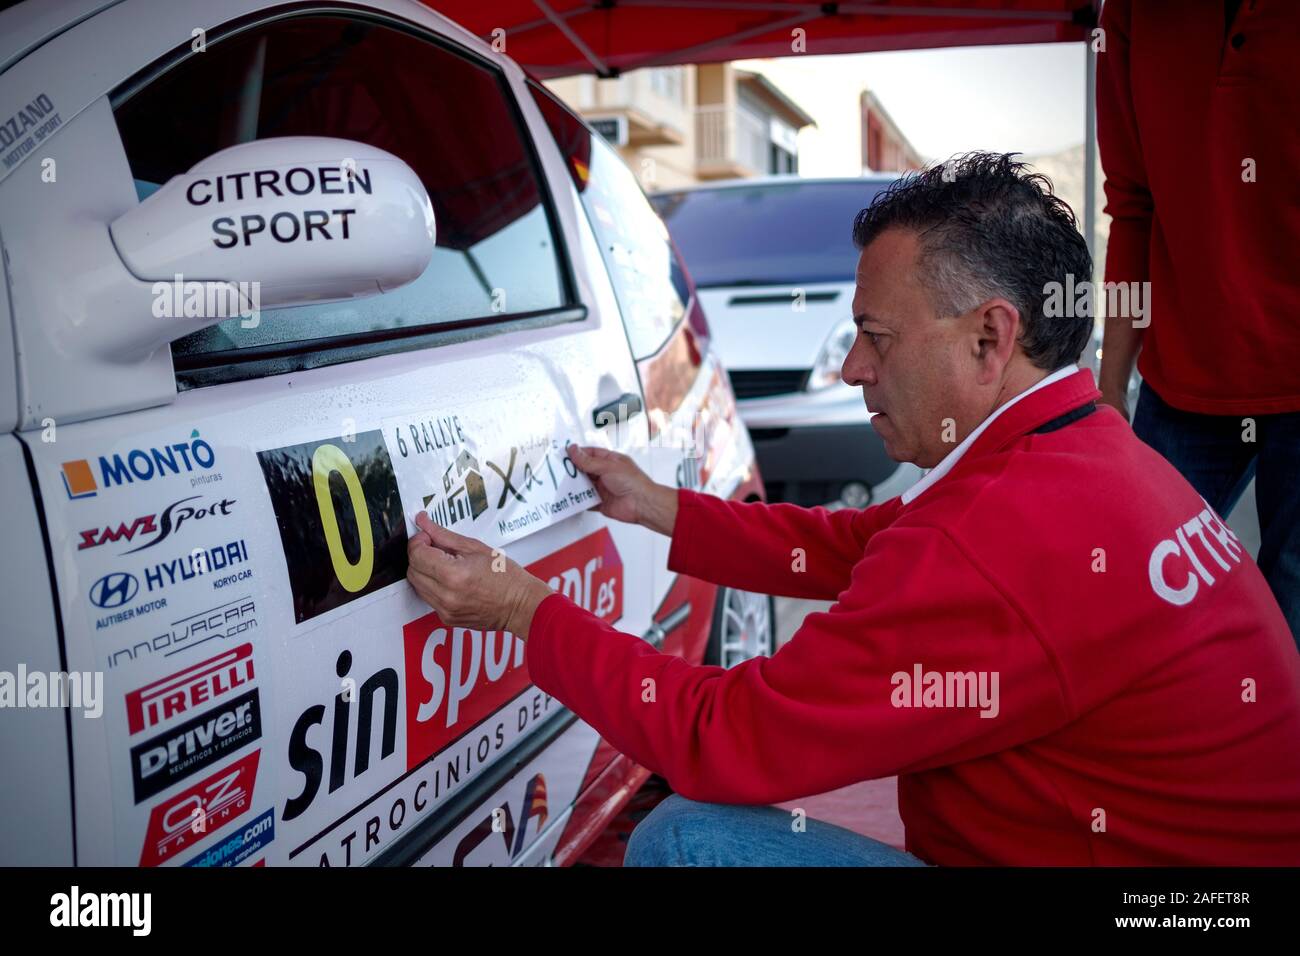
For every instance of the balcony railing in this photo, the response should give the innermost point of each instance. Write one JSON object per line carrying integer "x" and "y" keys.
{"x": 642, "y": 99}
{"x": 731, "y": 137}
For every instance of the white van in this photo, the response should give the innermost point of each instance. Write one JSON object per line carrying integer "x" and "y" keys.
{"x": 773, "y": 259}
{"x": 278, "y": 277}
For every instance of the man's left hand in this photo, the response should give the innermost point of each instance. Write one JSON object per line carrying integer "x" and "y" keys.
{"x": 470, "y": 584}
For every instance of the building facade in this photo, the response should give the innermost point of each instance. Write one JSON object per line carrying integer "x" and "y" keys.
{"x": 884, "y": 147}
{"x": 679, "y": 125}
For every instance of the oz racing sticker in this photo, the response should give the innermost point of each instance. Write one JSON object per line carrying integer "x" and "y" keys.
{"x": 183, "y": 820}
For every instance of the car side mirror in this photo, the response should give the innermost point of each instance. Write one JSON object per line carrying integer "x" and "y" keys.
{"x": 273, "y": 223}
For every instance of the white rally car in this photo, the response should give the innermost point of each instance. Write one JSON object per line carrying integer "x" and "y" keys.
{"x": 278, "y": 277}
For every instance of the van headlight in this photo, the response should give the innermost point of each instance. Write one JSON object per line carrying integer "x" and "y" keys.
{"x": 826, "y": 371}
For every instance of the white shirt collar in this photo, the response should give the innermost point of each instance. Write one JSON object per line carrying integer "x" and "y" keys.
{"x": 954, "y": 456}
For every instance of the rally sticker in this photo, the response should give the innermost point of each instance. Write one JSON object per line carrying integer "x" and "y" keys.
{"x": 487, "y": 474}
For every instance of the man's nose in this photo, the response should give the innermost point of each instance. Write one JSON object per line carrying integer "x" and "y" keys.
{"x": 857, "y": 368}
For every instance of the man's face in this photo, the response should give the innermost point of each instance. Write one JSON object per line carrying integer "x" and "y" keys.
{"x": 917, "y": 371}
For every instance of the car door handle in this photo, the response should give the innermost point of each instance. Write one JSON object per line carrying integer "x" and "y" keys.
{"x": 619, "y": 410}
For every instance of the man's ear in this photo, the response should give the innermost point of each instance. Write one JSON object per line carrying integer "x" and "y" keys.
{"x": 997, "y": 327}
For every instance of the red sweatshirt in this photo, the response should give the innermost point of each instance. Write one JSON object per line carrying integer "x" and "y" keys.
{"x": 1185, "y": 108}
{"x": 1148, "y": 705}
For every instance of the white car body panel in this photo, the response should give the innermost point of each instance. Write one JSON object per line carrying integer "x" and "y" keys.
{"x": 523, "y": 388}
{"x": 38, "y": 800}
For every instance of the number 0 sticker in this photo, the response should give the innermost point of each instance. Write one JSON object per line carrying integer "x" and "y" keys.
{"x": 340, "y": 517}
{"x": 327, "y": 460}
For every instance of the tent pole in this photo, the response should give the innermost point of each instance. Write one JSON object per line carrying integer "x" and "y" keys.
{"x": 564, "y": 28}
{"x": 1090, "y": 149}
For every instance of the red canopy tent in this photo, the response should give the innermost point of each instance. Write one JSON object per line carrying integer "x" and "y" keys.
{"x": 560, "y": 37}
{"x": 553, "y": 38}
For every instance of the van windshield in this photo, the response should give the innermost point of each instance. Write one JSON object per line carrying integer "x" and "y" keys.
{"x": 772, "y": 234}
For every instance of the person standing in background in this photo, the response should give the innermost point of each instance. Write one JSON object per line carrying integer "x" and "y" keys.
{"x": 1197, "y": 106}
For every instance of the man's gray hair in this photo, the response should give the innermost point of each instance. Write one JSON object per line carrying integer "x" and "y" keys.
{"x": 988, "y": 228}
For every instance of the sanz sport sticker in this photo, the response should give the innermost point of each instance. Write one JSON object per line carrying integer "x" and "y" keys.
{"x": 340, "y": 519}
{"x": 154, "y": 529}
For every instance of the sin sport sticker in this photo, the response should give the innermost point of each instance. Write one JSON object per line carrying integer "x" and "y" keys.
{"x": 458, "y": 676}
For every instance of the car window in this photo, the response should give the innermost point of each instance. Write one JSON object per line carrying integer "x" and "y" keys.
{"x": 648, "y": 280}
{"x": 450, "y": 118}
{"x": 768, "y": 234}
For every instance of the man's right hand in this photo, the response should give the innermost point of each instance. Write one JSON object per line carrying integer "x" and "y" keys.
{"x": 1121, "y": 342}
{"x": 626, "y": 492}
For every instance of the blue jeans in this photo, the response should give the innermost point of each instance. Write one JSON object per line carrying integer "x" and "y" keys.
{"x": 1209, "y": 452}
{"x": 681, "y": 832}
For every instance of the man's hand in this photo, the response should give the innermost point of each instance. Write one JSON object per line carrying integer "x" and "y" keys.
{"x": 1120, "y": 345}
{"x": 1116, "y": 399}
{"x": 468, "y": 583}
{"x": 626, "y": 492}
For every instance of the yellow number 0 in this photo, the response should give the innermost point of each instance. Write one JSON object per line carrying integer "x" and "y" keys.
{"x": 326, "y": 460}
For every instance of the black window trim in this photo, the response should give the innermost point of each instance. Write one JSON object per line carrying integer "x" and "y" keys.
{"x": 216, "y": 368}
{"x": 235, "y": 365}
